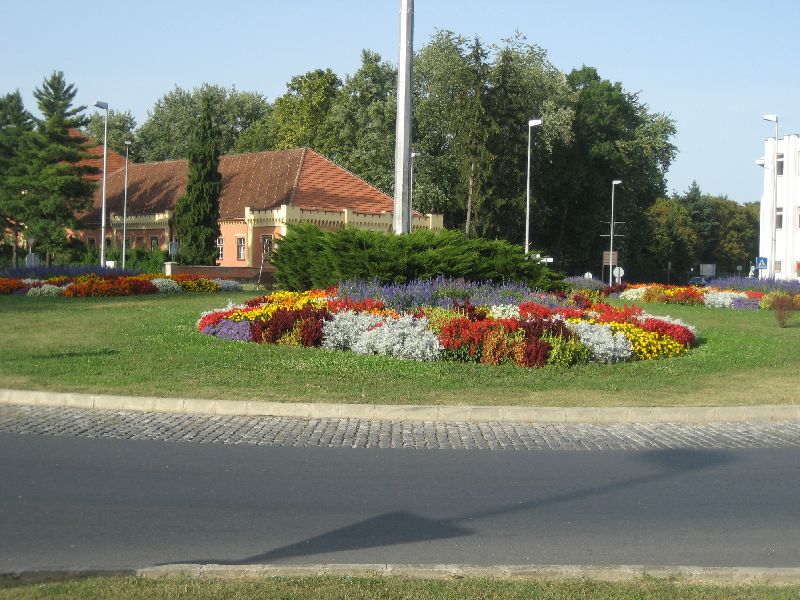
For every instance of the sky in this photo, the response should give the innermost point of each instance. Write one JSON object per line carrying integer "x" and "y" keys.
{"x": 714, "y": 66}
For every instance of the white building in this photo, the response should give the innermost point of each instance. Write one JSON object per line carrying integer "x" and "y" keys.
{"x": 779, "y": 238}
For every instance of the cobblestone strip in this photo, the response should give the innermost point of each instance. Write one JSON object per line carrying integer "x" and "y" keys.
{"x": 362, "y": 433}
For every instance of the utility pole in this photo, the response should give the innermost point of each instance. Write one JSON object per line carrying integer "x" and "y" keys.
{"x": 402, "y": 148}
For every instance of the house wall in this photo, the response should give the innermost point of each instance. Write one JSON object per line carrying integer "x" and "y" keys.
{"x": 787, "y": 235}
{"x": 230, "y": 232}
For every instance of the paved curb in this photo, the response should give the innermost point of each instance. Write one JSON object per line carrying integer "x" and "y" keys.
{"x": 382, "y": 412}
{"x": 616, "y": 573}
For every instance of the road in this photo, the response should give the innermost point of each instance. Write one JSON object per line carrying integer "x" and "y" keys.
{"x": 72, "y": 502}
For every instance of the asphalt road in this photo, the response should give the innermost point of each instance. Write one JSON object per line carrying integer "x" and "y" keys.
{"x": 68, "y": 503}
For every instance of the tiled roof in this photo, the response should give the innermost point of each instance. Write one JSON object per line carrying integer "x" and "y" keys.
{"x": 260, "y": 180}
{"x": 114, "y": 161}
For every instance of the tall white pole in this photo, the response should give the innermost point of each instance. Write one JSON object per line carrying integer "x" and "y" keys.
{"x": 402, "y": 149}
{"x": 611, "y": 242}
{"x": 125, "y": 207}
{"x": 773, "y": 246}
{"x": 772, "y": 249}
{"x": 104, "y": 106}
{"x": 531, "y": 124}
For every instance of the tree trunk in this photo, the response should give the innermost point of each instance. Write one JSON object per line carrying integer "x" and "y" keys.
{"x": 47, "y": 259}
{"x": 469, "y": 201}
{"x": 14, "y": 260}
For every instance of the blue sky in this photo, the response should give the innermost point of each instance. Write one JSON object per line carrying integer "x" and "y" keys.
{"x": 714, "y": 66}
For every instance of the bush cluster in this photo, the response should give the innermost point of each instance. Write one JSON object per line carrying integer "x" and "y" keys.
{"x": 311, "y": 258}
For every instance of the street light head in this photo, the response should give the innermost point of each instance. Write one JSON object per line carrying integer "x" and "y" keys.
{"x": 534, "y": 122}
{"x": 100, "y": 104}
{"x": 616, "y": 182}
{"x": 761, "y": 162}
{"x": 773, "y": 118}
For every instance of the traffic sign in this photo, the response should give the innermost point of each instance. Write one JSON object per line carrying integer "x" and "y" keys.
{"x": 761, "y": 262}
{"x": 618, "y": 272}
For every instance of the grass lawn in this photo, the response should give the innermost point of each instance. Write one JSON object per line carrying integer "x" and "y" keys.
{"x": 149, "y": 346}
{"x": 324, "y": 588}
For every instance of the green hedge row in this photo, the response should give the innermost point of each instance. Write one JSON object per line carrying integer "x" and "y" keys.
{"x": 309, "y": 257}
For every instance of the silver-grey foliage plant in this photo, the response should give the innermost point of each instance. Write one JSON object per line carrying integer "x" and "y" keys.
{"x": 606, "y": 346}
{"x": 406, "y": 337}
{"x": 346, "y": 327}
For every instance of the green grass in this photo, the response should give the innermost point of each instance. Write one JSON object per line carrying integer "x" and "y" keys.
{"x": 149, "y": 346}
{"x": 324, "y": 588}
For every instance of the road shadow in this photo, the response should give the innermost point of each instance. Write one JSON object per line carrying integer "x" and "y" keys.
{"x": 395, "y": 528}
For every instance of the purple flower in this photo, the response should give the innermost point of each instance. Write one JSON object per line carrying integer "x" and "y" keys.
{"x": 745, "y": 303}
{"x": 230, "y": 330}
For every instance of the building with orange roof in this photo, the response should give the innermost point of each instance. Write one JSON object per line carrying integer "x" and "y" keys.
{"x": 262, "y": 194}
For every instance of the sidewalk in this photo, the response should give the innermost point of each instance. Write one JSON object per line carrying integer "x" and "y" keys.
{"x": 461, "y": 414}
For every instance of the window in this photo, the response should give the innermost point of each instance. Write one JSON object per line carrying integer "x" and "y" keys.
{"x": 154, "y": 245}
{"x": 780, "y": 164}
{"x": 240, "y": 248}
{"x": 779, "y": 218}
{"x": 139, "y": 242}
{"x": 777, "y": 266}
{"x": 220, "y": 246}
{"x": 91, "y": 242}
{"x": 267, "y": 245}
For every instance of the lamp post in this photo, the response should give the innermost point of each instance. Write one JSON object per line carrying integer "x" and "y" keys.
{"x": 531, "y": 124}
{"x": 103, "y": 106}
{"x": 771, "y": 258}
{"x": 614, "y": 184}
{"x": 125, "y": 206}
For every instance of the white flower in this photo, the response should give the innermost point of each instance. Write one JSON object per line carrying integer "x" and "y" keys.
{"x": 606, "y": 346}
{"x": 46, "y": 290}
{"x": 346, "y": 327}
{"x": 406, "y": 337}
{"x": 633, "y": 293}
{"x": 719, "y": 299}
{"x": 504, "y": 311}
{"x": 225, "y": 285}
{"x": 167, "y": 286}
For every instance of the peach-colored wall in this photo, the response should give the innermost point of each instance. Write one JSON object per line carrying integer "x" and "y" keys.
{"x": 229, "y": 231}
{"x": 257, "y": 246}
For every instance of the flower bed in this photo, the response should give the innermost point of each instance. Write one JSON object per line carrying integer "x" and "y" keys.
{"x": 539, "y": 330}
{"x": 93, "y": 285}
{"x": 711, "y": 297}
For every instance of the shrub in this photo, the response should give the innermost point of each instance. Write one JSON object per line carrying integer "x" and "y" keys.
{"x": 782, "y": 304}
{"x": 308, "y": 257}
{"x": 230, "y": 330}
{"x": 226, "y": 285}
{"x": 7, "y": 285}
{"x": 566, "y": 351}
{"x": 197, "y": 285}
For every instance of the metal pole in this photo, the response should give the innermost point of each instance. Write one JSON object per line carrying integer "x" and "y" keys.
{"x": 104, "y": 105}
{"x": 125, "y": 208}
{"x": 611, "y": 238}
{"x": 402, "y": 151}
{"x": 531, "y": 124}
{"x": 411, "y": 183}
{"x": 528, "y": 196}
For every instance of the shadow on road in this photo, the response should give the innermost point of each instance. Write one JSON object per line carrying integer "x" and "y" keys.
{"x": 404, "y": 528}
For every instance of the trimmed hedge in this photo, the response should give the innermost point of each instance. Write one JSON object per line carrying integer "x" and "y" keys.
{"x": 309, "y": 257}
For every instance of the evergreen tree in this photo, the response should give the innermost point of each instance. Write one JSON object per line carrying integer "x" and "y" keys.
{"x": 197, "y": 212}
{"x": 54, "y": 184}
{"x": 16, "y": 125}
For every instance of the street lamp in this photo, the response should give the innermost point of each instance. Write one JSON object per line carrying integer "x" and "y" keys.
{"x": 614, "y": 184}
{"x": 103, "y": 106}
{"x": 125, "y": 206}
{"x": 771, "y": 258}
{"x": 531, "y": 124}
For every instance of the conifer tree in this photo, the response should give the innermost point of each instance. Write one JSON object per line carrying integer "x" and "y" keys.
{"x": 197, "y": 212}
{"x": 16, "y": 125}
{"x": 54, "y": 183}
